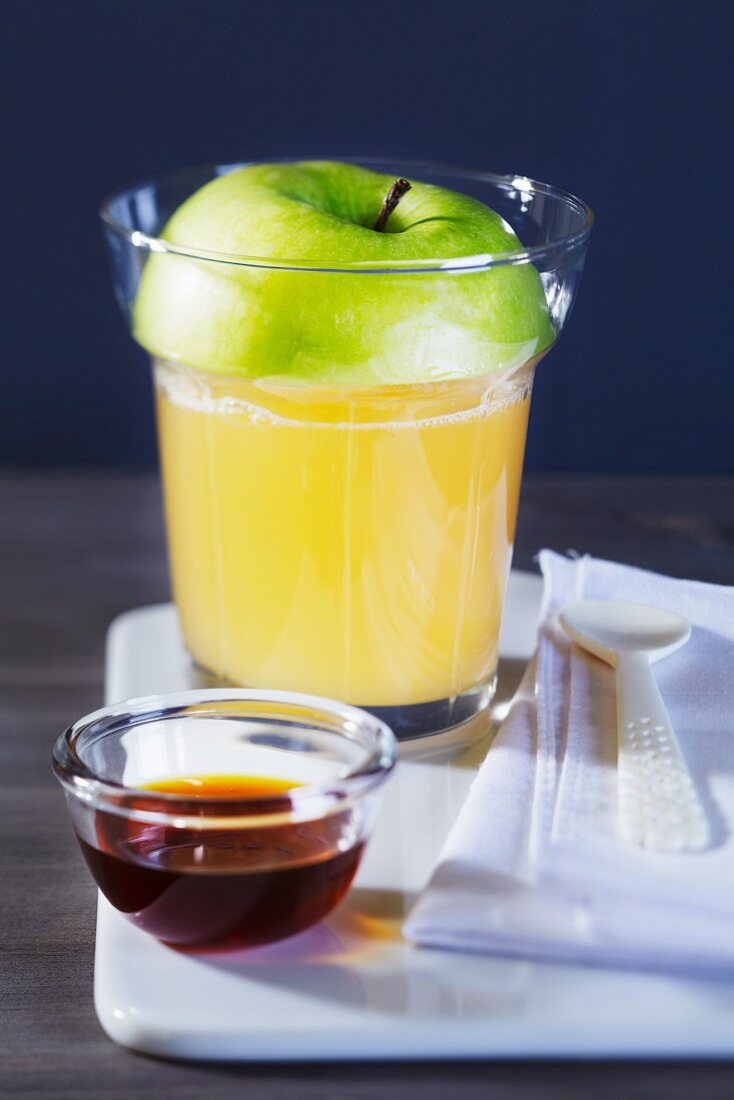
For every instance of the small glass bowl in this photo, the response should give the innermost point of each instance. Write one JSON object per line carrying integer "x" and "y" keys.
{"x": 224, "y": 871}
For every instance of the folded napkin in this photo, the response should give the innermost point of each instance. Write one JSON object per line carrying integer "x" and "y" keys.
{"x": 534, "y": 865}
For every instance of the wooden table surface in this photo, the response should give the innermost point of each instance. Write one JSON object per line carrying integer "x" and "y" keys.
{"x": 78, "y": 549}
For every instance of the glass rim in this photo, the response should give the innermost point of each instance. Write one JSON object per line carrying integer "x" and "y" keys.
{"x": 484, "y": 261}
{"x": 84, "y": 783}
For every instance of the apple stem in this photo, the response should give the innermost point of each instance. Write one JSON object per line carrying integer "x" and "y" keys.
{"x": 392, "y": 198}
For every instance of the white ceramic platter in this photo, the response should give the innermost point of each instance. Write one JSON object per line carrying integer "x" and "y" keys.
{"x": 352, "y": 988}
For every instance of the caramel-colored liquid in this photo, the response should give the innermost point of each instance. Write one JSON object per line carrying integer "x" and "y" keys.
{"x": 227, "y": 888}
{"x": 221, "y": 786}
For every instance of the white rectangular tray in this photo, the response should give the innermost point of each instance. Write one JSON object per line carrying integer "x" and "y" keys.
{"x": 352, "y": 988}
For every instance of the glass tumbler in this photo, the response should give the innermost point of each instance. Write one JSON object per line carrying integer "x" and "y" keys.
{"x": 347, "y": 539}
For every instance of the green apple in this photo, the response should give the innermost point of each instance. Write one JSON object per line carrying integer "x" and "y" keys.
{"x": 338, "y": 328}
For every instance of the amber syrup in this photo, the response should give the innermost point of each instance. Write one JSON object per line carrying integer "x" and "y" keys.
{"x": 226, "y": 888}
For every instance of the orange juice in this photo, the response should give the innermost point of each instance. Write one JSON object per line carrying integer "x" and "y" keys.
{"x": 353, "y": 543}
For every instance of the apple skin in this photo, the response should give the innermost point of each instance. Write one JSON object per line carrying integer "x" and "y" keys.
{"x": 344, "y": 328}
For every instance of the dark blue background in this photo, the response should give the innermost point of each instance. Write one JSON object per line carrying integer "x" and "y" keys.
{"x": 628, "y": 104}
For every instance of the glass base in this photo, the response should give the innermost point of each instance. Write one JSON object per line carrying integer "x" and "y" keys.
{"x": 413, "y": 720}
{"x": 439, "y": 716}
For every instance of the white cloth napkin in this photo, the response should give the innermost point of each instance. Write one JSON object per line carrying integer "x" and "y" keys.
{"x": 533, "y": 865}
